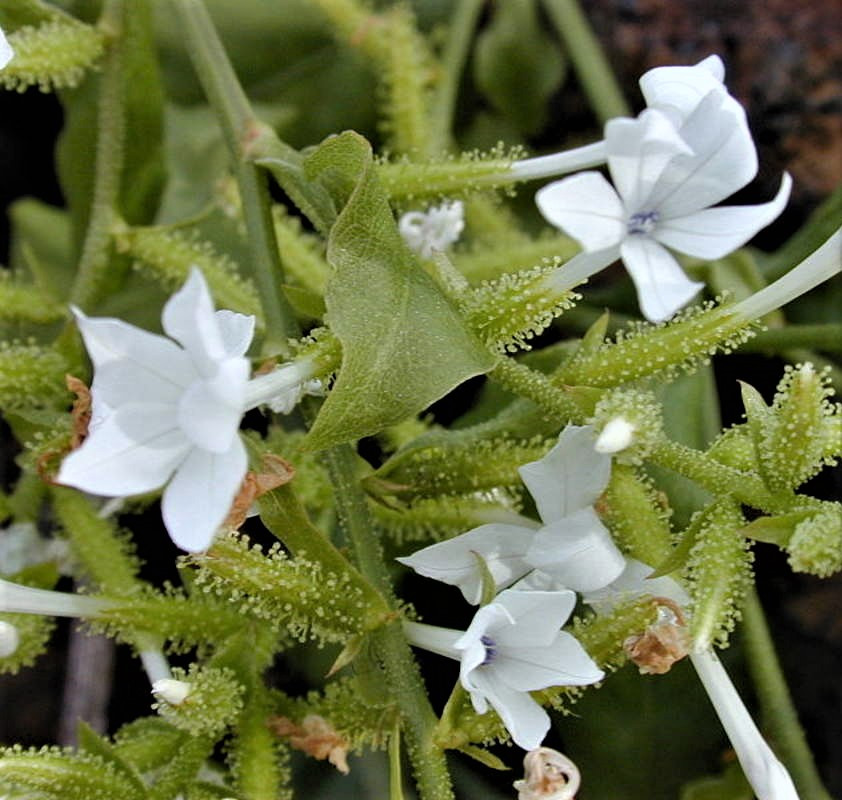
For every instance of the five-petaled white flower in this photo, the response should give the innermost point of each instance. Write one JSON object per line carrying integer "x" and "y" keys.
{"x": 433, "y": 230}
{"x": 572, "y": 546}
{"x": 168, "y": 412}
{"x": 6, "y": 52}
{"x": 689, "y": 150}
{"x": 513, "y": 646}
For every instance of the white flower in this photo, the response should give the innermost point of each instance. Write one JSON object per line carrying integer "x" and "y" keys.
{"x": 514, "y": 646}
{"x": 434, "y": 230}
{"x": 616, "y": 436}
{"x": 21, "y": 546}
{"x": 665, "y": 178}
{"x": 675, "y": 91}
{"x": 168, "y": 412}
{"x": 572, "y": 546}
{"x": 6, "y": 52}
{"x": 768, "y": 777}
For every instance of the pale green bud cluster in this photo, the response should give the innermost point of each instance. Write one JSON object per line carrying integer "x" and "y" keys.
{"x": 54, "y": 55}
{"x": 628, "y": 424}
{"x": 437, "y": 465}
{"x": 54, "y": 773}
{"x": 21, "y": 302}
{"x": 718, "y": 571}
{"x": 506, "y": 313}
{"x": 297, "y": 595}
{"x": 167, "y": 255}
{"x": 211, "y": 699}
{"x": 790, "y": 437}
{"x": 645, "y": 350}
{"x": 816, "y": 543}
{"x": 30, "y": 376}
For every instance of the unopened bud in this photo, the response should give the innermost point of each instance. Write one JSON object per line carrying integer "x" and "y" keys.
{"x": 9, "y": 639}
{"x": 617, "y": 435}
{"x": 171, "y": 691}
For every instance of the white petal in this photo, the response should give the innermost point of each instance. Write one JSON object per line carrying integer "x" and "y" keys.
{"x": 571, "y": 476}
{"x": 662, "y": 287}
{"x": 525, "y": 720}
{"x": 724, "y": 159}
{"x": 6, "y": 52}
{"x": 563, "y": 662}
{"x": 237, "y": 331}
{"x": 117, "y": 383}
{"x": 768, "y": 777}
{"x": 134, "y": 450}
{"x": 108, "y": 340}
{"x": 502, "y": 546}
{"x": 715, "y": 232}
{"x": 189, "y": 318}
{"x": 199, "y": 497}
{"x": 676, "y": 91}
{"x": 586, "y": 207}
{"x": 578, "y": 551}
{"x": 638, "y": 152}
{"x": 633, "y": 582}
{"x": 210, "y": 411}
{"x": 532, "y": 619}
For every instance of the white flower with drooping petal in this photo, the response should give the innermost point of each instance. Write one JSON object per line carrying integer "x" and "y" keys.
{"x": 666, "y": 178}
{"x": 572, "y": 546}
{"x": 514, "y": 646}
{"x": 6, "y": 52}
{"x": 168, "y": 412}
{"x": 767, "y": 775}
{"x": 433, "y": 230}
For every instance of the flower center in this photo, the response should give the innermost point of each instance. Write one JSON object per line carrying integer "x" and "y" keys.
{"x": 490, "y": 650}
{"x": 643, "y": 222}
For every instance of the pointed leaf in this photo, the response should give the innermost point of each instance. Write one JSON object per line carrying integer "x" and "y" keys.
{"x": 403, "y": 345}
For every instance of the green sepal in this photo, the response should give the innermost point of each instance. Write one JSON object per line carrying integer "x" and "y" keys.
{"x": 56, "y": 774}
{"x": 489, "y": 586}
{"x": 777, "y": 529}
{"x": 394, "y": 361}
{"x": 485, "y": 757}
{"x": 147, "y": 743}
{"x": 91, "y": 742}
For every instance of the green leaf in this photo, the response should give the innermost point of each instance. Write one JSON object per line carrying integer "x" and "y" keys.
{"x": 517, "y": 66}
{"x": 403, "y": 345}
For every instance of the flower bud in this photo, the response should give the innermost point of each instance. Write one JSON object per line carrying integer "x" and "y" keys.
{"x": 816, "y": 543}
{"x": 9, "y": 639}
{"x": 171, "y": 691}
{"x": 629, "y": 424}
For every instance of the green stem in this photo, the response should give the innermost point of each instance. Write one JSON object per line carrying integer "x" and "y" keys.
{"x": 241, "y": 127}
{"x": 460, "y": 32}
{"x": 589, "y": 61}
{"x": 779, "y": 715}
{"x": 110, "y": 129}
{"x": 534, "y": 385}
{"x": 400, "y": 671}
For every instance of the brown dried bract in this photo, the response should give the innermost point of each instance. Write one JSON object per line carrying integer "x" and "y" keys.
{"x": 662, "y": 643}
{"x": 316, "y": 737}
{"x": 276, "y": 472}
{"x": 81, "y": 411}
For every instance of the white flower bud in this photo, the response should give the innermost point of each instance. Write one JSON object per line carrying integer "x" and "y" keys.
{"x": 171, "y": 691}
{"x": 433, "y": 230}
{"x": 617, "y": 435}
{"x": 9, "y": 639}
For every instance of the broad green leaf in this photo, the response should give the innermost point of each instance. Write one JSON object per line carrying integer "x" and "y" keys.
{"x": 403, "y": 345}
{"x": 517, "y": 66}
